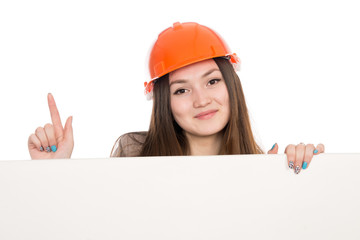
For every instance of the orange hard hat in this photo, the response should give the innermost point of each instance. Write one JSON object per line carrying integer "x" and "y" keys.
{"x": 184, "y": 44}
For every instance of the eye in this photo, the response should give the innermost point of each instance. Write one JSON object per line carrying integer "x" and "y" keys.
{"x": 213, "y": 81}
{"x": 180, "y": 91}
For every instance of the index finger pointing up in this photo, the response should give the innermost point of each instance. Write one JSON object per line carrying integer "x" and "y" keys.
{"x": 55, "y": 118}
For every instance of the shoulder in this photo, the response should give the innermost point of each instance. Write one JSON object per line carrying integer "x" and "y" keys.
{"x": 129, "y": 144}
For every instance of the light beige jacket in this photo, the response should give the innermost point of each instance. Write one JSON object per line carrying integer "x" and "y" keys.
{"x": 128, "y": 145}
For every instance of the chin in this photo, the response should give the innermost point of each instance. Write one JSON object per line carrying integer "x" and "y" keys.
{"x": 205, "y": 132}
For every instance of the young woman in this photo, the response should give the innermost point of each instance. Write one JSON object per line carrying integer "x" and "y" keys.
{"x": 198, "y": 106}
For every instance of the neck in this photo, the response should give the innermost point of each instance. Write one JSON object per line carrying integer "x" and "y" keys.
{"x": 209, "y": 145}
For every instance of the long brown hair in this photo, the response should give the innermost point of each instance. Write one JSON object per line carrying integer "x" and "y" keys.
{"x": 166, "y": 138}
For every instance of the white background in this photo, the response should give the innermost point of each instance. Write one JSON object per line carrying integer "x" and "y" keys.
{"x": 300, "y": 67}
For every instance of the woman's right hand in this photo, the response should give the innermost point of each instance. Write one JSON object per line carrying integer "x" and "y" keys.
{"x": 52, "y": 140}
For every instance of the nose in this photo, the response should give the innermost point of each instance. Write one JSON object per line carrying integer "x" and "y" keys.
{"x": 200, "y": 98}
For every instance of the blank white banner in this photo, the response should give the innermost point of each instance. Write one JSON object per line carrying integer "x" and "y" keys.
{"x": 216, "y": 197}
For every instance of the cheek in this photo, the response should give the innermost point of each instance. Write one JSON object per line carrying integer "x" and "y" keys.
{"x": 227, "y": 104}
{"x": 226, "y": 97}
{"x": 179, "y": 108}
{"x": 222, "y": 97}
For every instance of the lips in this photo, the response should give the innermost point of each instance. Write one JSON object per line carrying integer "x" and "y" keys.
{"x": 206, "y": 115}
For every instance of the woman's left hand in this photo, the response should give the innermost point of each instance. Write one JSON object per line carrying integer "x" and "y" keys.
{"x": 299, "y": 156}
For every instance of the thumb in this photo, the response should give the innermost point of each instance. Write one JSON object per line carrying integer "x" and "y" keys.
{"x": 67, "y": 145}
{"x": 274, "y": 149}
{"x": 68, "y": 130}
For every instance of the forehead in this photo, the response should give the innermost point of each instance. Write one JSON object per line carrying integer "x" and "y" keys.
{"x": 194, "y": 70}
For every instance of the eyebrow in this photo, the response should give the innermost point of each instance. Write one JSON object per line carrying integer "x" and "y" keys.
{"x": 209, "y": 72}
{"x": 204, "y": 75}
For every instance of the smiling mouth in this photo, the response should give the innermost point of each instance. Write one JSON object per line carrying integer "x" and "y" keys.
{"x": 206, "y": 115}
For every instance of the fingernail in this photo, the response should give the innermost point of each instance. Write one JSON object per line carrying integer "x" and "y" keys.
{"x": 297, "y": 169}
{"x": 291, "y": 164}
{"x": 41, "y": 149}
{"x": 315, "y": 151}
{"x": 48, "y": 149}
{"x": 273, "y": 146}
{"x": 53, "y": 148}
{"x": 304, "y": 165}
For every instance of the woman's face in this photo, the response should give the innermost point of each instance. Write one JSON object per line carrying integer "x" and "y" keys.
{"x": 199, "y": 98}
